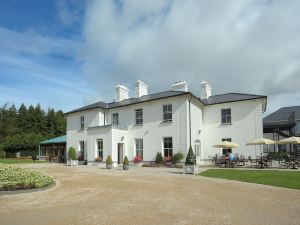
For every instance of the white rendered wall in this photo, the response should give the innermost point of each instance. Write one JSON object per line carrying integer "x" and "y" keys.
{"x": 92, "y": 118}
{"x": 153, "y": 129}
{"x": 246, "y": 125}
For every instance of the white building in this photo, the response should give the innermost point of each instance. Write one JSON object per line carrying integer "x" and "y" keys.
{"x": 166, "y": 122}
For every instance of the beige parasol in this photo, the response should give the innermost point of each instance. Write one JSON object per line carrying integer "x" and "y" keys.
{"x": 226, "y": 144}
{"x": 290, "y": 140}
{"x": 260, "y": 142}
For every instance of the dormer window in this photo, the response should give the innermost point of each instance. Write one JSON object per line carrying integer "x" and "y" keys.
{"x": 115, "y": 118}
{"x": 226, "y": 116}
{"x": 167, "y": 113}
{"x": 82, "y": 122}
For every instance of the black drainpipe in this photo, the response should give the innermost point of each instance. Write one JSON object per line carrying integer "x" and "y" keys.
{"x": 104, "y": 117}
{"x": 190, "y": 120}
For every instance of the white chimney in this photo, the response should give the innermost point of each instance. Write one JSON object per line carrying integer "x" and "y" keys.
{"x": 121, "y": 93}
{"x": 205, "y": 90}
{"x": 180, "y": 86}
{"x": 141, "y": 89}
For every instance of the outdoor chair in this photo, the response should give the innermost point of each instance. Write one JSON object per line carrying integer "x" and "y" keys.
{"x": 253, "y": 162}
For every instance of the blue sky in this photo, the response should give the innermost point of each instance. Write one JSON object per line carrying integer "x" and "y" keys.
{"x": 68, "y": 53}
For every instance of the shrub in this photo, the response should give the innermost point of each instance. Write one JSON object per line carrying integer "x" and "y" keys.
{"x": 98, "y": 159}
{"x": 177, "y": 157}
{"x": 125, "y": 161}
{"x": 72, "y": 153}
{"x": 33, "y": 157}
{"x": 159, "y": 158}
{"x": 2, "y": 154}
{"x": 190, "y": 158}
{"x": 108, "y": 160}
{"x": 15, "y": 178}
{"x": 137, "y": 159}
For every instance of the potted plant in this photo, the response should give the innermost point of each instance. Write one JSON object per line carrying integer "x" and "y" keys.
{"x": 108, "y": 162}
{"x": 125, "y": 164}
{"x": 72, "y": 161}
{"x": 190, "y": 163}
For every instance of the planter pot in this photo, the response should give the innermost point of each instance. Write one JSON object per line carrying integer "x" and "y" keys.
{"x": 74, "y": 162}
{"x": 108, "y": 166}
{"x": 125, "y": 167}
{"x": 190, "y": 169}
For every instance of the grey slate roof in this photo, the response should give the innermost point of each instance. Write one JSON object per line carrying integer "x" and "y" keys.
{"x": 130, "y": 101}
{"x": 283, "y": 115}
{"x": 215, "y": 99}
{"x": 230, "y": 97}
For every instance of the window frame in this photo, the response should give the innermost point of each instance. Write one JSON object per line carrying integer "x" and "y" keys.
{"x": 168, "y": 149}
{"x": 139, "y": 147}
{"x": 139, "y": 120}
{"x": 226, "y": 116}
{"x": 167, "y": 113}
{"x": 115, "y": 121}
{"x": 81, "y": 119}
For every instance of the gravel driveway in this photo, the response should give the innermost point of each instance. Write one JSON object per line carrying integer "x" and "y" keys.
{"x": 88, "y": 195}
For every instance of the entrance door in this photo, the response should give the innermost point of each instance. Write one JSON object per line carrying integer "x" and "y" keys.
{"x": 198, "y": 151}
{"x": 120, "y": 153}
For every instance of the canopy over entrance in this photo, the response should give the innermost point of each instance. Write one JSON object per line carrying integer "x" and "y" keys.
{"x": 53, "y": 149}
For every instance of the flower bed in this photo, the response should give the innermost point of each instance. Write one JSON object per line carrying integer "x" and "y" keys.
{"x": 169, "y": 165}
{"x": 14, "y": 178}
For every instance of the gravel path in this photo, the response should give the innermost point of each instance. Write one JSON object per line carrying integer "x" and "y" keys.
{"x": 87, "y": 195}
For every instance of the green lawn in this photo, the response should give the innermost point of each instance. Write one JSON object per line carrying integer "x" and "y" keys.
{"x": 20, "y": 161}
{"x": 287, "y": 179}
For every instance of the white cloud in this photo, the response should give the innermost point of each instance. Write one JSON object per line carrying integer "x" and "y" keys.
{"x": 238, "y": 46}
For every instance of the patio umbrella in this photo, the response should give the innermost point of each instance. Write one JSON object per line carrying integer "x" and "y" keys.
{"x": 226, "y": 144}
{"x": 291, "y": 140}
{"x": 260, "y": 142}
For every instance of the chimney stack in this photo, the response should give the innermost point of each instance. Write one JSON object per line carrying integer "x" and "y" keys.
{"x": 141, "y": 89}
{"x": 205, "y": 90}
{"x": 121, "y": 93}
{"x": 180, "y": 86}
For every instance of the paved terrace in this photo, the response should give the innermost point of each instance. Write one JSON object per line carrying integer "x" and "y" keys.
{"x": 89, "y": 195}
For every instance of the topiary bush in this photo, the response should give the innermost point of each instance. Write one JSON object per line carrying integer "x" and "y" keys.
{"x": 177, "y": 157}
{"x": 190, "y": 158}
{"x": 125, "y": 161}
{"x": 72, "y": 153}
{"x": 159, "y": 158}
{"x": 108, "y": 160}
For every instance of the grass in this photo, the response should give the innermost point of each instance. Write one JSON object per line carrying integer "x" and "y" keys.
{"x": 287, "y": 179}
{"x": 15, "y": 178}
{"x": 20, "y": 161}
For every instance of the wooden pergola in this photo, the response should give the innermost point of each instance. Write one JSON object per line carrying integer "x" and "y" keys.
{"x": 53, "y": 149}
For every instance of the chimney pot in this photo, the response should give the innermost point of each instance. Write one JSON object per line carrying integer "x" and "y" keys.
{"x": 141, "y": 89}
{"x": 180, "y": 86}
{"x": 121, "y": 93}
{"x": 205, "y": 90}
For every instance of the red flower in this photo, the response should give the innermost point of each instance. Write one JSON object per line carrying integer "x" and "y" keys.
{"x": 137, "y": 159}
